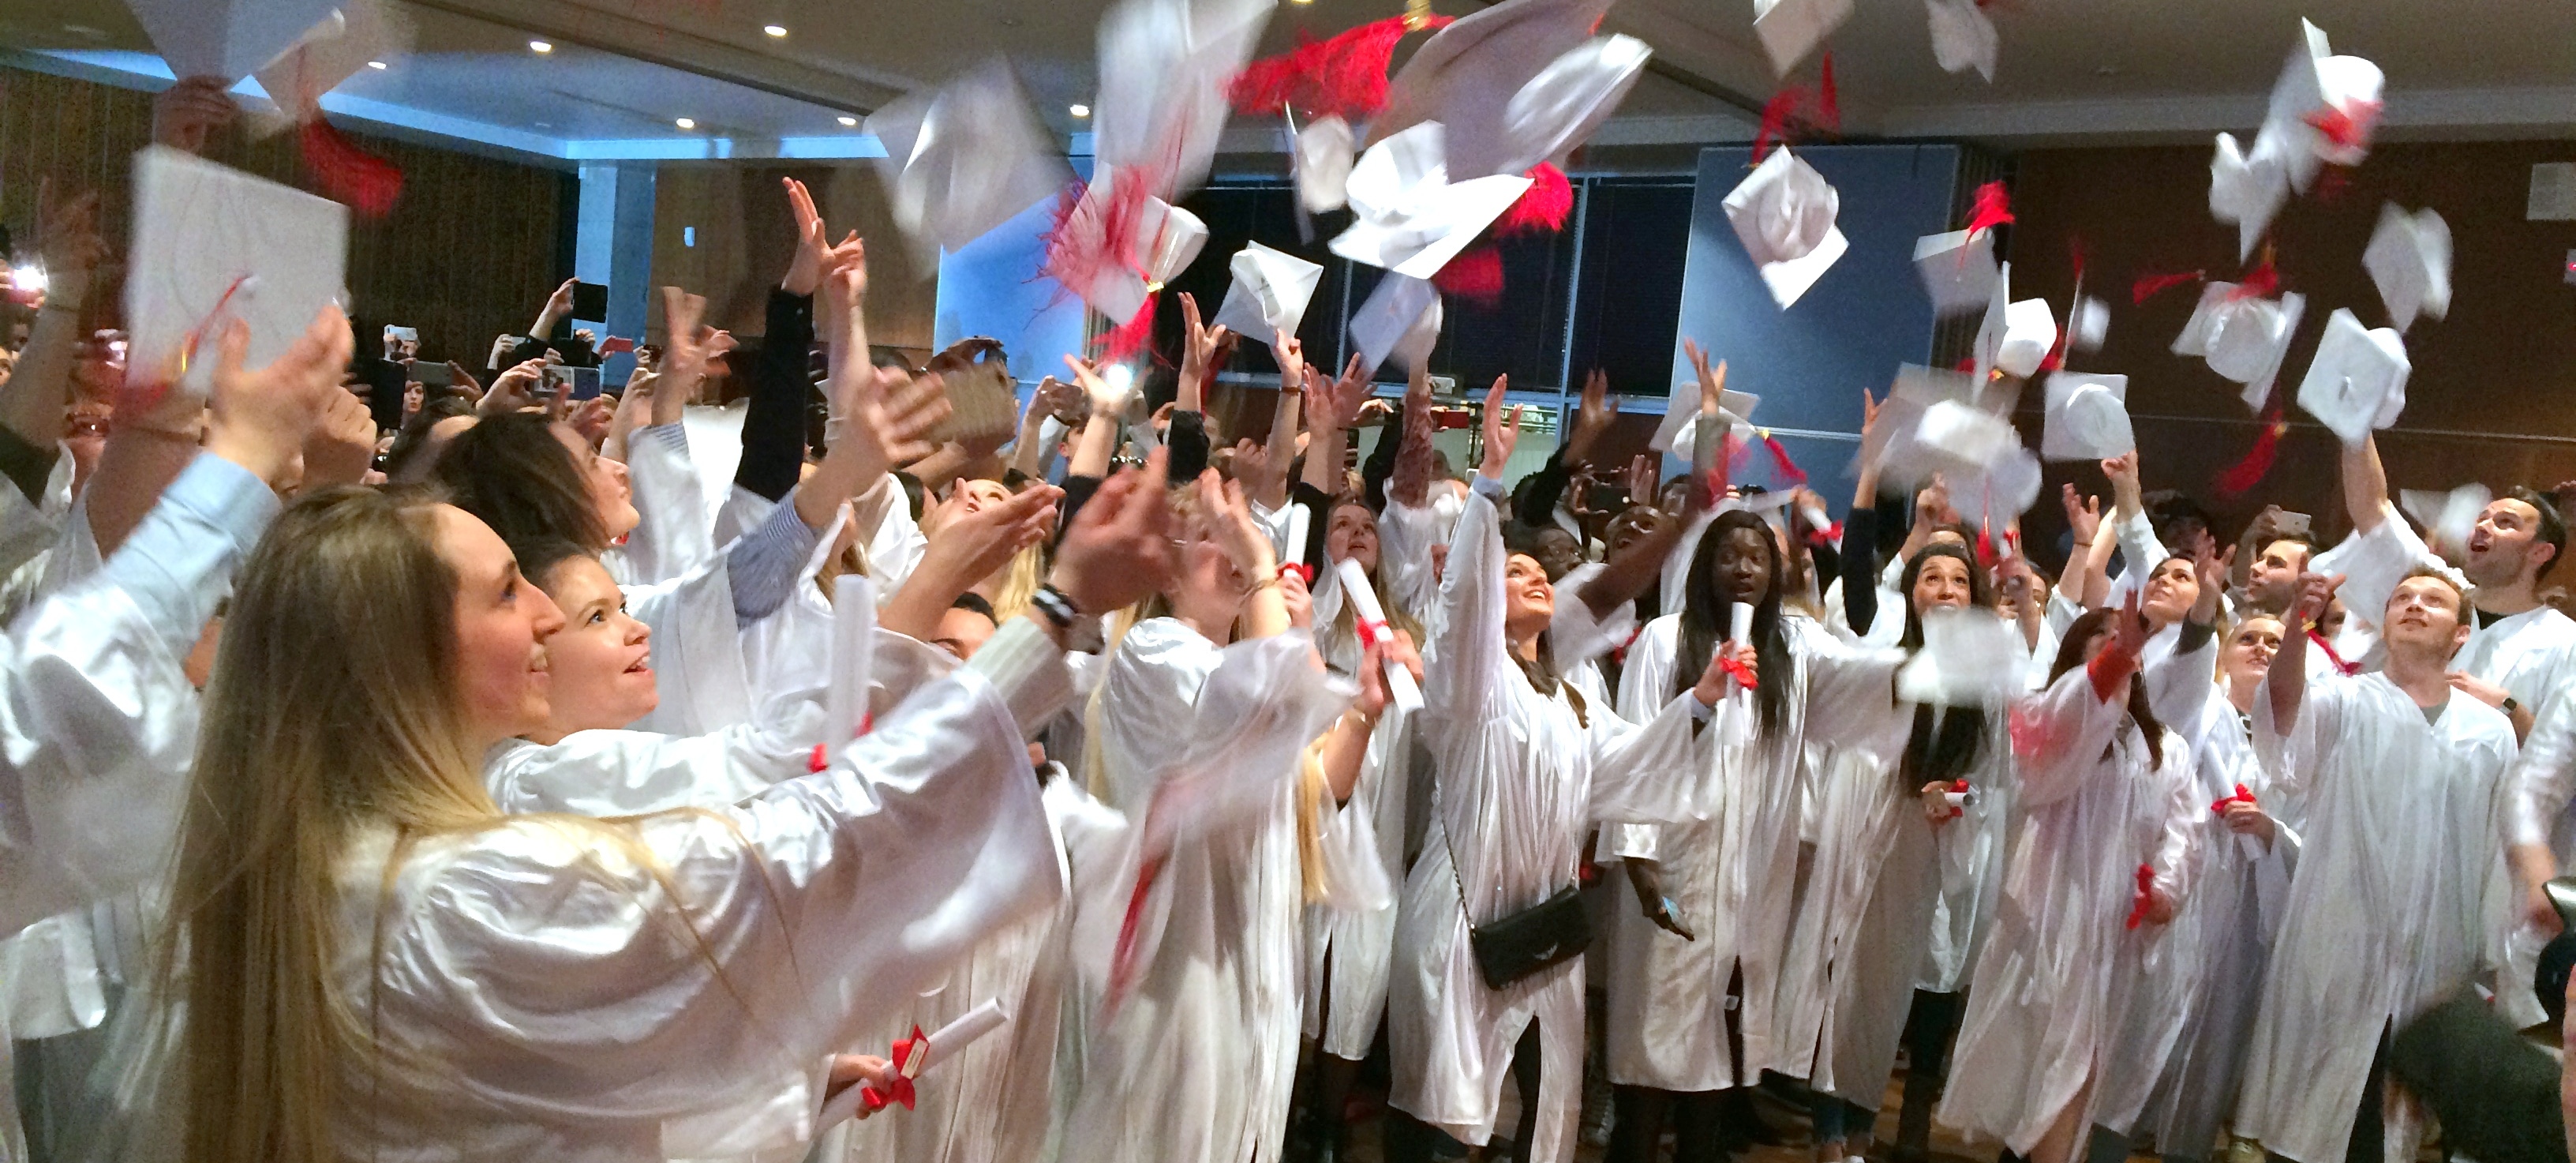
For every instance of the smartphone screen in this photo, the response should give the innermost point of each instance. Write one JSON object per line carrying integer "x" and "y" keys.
{"x": 435, "y": 375}
{"x": 585, "y": 382}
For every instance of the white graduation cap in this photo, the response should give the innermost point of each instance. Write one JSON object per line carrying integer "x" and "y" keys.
{"x": 2358, "y": 380}
{"x": 964, "y": 158}
{"x": 332, "y": 51}
{"x": 1412, "y": 218}
{"x": 1790, "y": 29}
{"x": 1325, "y": 152}
{"x": 1561, "y": 107}
{"x": 2015, "y": 337}
{"x": 1400, "y": 318}
{"x": 1165, "y": 66}
{"x": 1958, "y": 269}
{"x": 212, "y": 244}
{"x": 1166, "y": 237}
{"x": 2450, "y": 516}
{"x": 2088, "y": 417}
{"x": 1962, "y": 37}
{"x": 2247, "y": 191}
{"x": 2409, "y": 260}
{"x": 1971, "y": 657}
{"x": 1991, "y": 476}
{"x": 1270, "y": 291}
{"x": 2088, "y": 322}
{"x": 2318, "y": 87}
{"x": 1680, "y": 426}
{"x": 1469, "y": 73}
{"x": 1784, "y": 214}
{"x": 1916, "y": 389}
{"x": 226, "y": 39}
{"x": 2244, "y": 339}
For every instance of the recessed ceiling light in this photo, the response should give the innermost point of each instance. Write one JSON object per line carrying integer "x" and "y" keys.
{"x": 377, "y": 65}
{"x": 774, "y": 29}
{"x": 686, "y": 123}
{"x": 849, "y": 121}
{"x": 540, "y": 46}
{"x": 1081, "y": 111}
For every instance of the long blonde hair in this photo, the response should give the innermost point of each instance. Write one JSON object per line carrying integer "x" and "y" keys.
{"x": 332, "y": 710}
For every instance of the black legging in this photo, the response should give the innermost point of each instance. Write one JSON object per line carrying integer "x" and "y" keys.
{"x": 1410, "y": 1140}
{"x": 1928, "y": 1027}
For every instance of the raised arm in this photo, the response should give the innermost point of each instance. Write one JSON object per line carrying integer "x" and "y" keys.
{"x": 2287, "y": 683}
{"x": 2540, "y": 784}
{"x": 1271, "y": 491}
{"x": 558, "y": 307}
{"x": 1547, "y": 486}
{"x": 2365, "y": 486}
{"x": 1410, "y": 483}
{"x": 1472, "y": 646}
{"x": 2136, "y": 536}
{"x": 1331, "y": 409}
{"x": 2059, "y": 734}
{"x": 37, "y": 392}
{"x": 966, "y": 551}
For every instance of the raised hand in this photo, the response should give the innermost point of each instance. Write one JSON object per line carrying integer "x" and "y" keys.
{"x": 342, "y": 444}
{"x": 815, "y": 253}
{"x": 1105, "y": 399}
{"x": 1291, "y": 355}
{"x": 258, "y": 418}
{"x": 514, "y": 389}
{"x": 2129, "y": 628}
{"x": 1711, "y": 686}
{"x": 1199, "y": 352}
{"x": 185, "y": 114}
{"x": 2126, "y": 492}
{"x": 1118, "y": 548}
{"x": 1592, "y": 418}
{"x": 1229, "y": 523}
{"x": 2083, "y": 514}
{"x": 890, "y": 422}
{"x": 2316, "y": 592}
{"x": 1502, "y": 428}
{"x": 592, "y": 418}
{"x": 67, "y": 235}
{"x": 1644, "y": 481}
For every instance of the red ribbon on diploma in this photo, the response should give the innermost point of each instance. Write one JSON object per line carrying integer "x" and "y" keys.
{"x": 2346, "y": 669}
{"x": 1374, "y": 633}
{"x": 1958, "y": 785}
{"x": 899, "y": 1090}
{"x": 822, "y": 758}
{"x": 2242, "y": 796}
{"x": 1742, "y": 674}
{"x": 2146, "y": 898}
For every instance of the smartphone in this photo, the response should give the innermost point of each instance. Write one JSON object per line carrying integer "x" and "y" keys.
{"x": 558, "y": 381}
{"x": 405, "y": 334}
{"x": 615, "y": 344}
{"x": 590, "y": 301}
{"x": 2291, "y": 524}
{"x": 435, "y": 375}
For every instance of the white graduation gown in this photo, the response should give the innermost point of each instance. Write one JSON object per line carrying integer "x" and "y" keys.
{"x": 2398, "y": 893}
{"x": 1521, "y": 777}
{"x": 1199, "y": 1056}
{"x": 1733, "y": 875}
{"x": 2046, "y": 998}
{"x": 1346, "y": 949}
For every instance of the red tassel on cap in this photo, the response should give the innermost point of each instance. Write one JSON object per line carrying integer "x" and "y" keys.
{"x": 2249, "y": 472}
{"x": 1544, "y": 206}
{"x": 1132, "y": 336}
{"x": 1790, "y": 475}
{"x": 367, "y": 183}
{"x": 1993, "y": 207}
{"x": 2262, "y": 282}
{"x": 2149, "y": 286}
{"x": 1476, "y": 276}
{"x": 2347, "y": 124}
{"x": 1344, "y": 76}
{"x": 1829, "y": 107}
{"x": 1777, "y": 115}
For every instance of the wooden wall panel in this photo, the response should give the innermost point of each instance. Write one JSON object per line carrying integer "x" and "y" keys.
{"x": 2493, "y": 393}
{"x": 469, "y": 251}
{"x": 744, "y": 237}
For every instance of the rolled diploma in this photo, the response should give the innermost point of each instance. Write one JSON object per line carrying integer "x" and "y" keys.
{"x": 951, "y": 1038}
{"x": 1739, "y": 630}
{"x": 1400, "y": 688}
{"x": 854, "y": 629}
{"x": 1300, "y": 518}
{"x": 1961, "y": 799}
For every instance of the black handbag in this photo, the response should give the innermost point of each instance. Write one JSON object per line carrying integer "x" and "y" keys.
{"x": 1510, "y": 948}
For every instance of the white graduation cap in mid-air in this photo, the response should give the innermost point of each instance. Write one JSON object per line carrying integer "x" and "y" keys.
{"x": 227, "y": 39}
{"x": 1971, "y": 657}
{"x": 2358, "y": 380}
{"x": 2244, "y": 338}
{"x": 1270, "y": 291}
{"x": 1991, "y": 476}
{"x": 1411, "y": 218}
{"x": 1790, "y": 29}
{"x": 1561, "y": 107}
{"x": 2088, "y": 322}
{"x": 213, "y": 244}
{"x": 2088, "y": 417}
{"x": 964, "y": 158}
{"x": 332, "y": 51}
{"x": 2015, "y": 338}
{"x": 1469, "y": 75}
{"x": 1962, "y": 37}
{"x": 2247, "y": 191}
{"x": 1784, "y": 214}
{"x": 2324, "y": 109}
{"x": 1680, "y": 426}
{"x": 2409, "y": 260}
{"x": 1914, "y": 392}
{"x": 1165, "y": 66}
{"x": 2448, "y": 517}
{"x": 1165, "y": 240}
{"x": 1401, "y": 319}
{"x": 1958, "y": 269}
{"x": 1325, "y": 151}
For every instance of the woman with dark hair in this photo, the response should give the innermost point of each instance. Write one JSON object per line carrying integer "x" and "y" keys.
{"x": 1884, "y": 849}
{"x": 1695, "y": 969}
{"x": 2105, "y": 823}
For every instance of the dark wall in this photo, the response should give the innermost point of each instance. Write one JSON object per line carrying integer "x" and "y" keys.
{"x": 2493, "y": 393}
{"x": 468, "y": 252}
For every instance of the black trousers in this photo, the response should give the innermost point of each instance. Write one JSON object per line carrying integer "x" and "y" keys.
{"x": 1410, "y": 1140}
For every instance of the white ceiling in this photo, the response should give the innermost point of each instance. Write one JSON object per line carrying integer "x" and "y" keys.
{"x": 2072, "y": 70}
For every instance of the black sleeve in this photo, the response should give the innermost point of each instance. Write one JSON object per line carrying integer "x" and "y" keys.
{"x": 773, "y": 422}
{"x": 2194, "y": 636}
{"x": 1380, "y": 464}
{"x": 1319, "y": 503}
{"x": 1545, "y": 488}
{"x": 1189, "y": 443}
{"x": 26, "y": 465}
{"x": 1077, "y": 493}
{"x": 1860, "y": 569}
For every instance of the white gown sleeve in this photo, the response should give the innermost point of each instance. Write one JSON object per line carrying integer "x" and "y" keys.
{"x": 691, "y": 989}
{"x": 1405, "y": 538}
{"x": 2543, "y": 778}
{"x": 892, "y": 540}
{"x": 673, "y": 535}
{"x": 2059, "y": 735}
{"x": 1458, "y": 693}
{"x": 625, "y": 773}
{"x": 2373, "y": 563}
{"x": 97, "y": 722}
{"x": 2172, "y": 860}
{"x": 1851, "y": 690}
{"x": 1575, "y": 634}
{"x": 2182, "y": 682}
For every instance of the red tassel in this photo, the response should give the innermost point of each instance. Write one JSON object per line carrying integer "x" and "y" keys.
{"x": 1992, "y": 208}
{"x": 349, "y": 174}
{"x": 1790, "y": 475}
{"x": 2262, "y": 282}
{"x": 1132, "y": 336}
{"x": 2235, "y": 479}
{"x": 2145, "y": 899}
{"x": 1829, "y": 108}
{"x": 1778, "y": 114}
{"x": 2347, "y": 126}
{"x": 1476, "y": 276}
{"x": 1544, "y": 207}
{"x": 2149, "y": 286}
{"x": 1344, "y": 76}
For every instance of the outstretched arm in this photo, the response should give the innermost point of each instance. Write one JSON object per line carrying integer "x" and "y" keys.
{"x": 2365, "y": 486}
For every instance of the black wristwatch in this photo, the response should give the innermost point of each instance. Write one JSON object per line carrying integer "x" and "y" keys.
{"x": 2508, "y": 706}
{"x": 1057, "y": 608}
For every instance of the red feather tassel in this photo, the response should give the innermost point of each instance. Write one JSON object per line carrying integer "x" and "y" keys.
{"x": 1344, "y": 76}
{"x": 1132, "y": 336}
{"x": 1992, "y": 208}
{"x": 1476, "y": 276}
{"x": 1778, "y": 115}
{"x": 2249, "y": 472}
{"x": 1543, "y": 207}
{"x": 2263, "y": 281}
{"x": 2149, "y": 286}
{"x": 1829, "y": 107}
{"x": 2346, "y": 125}
{"x": 365, "y": 182}
{"x": 1790, "y": 476}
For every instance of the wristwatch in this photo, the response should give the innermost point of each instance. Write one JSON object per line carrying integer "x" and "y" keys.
{"x": 2508, "y": 706}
